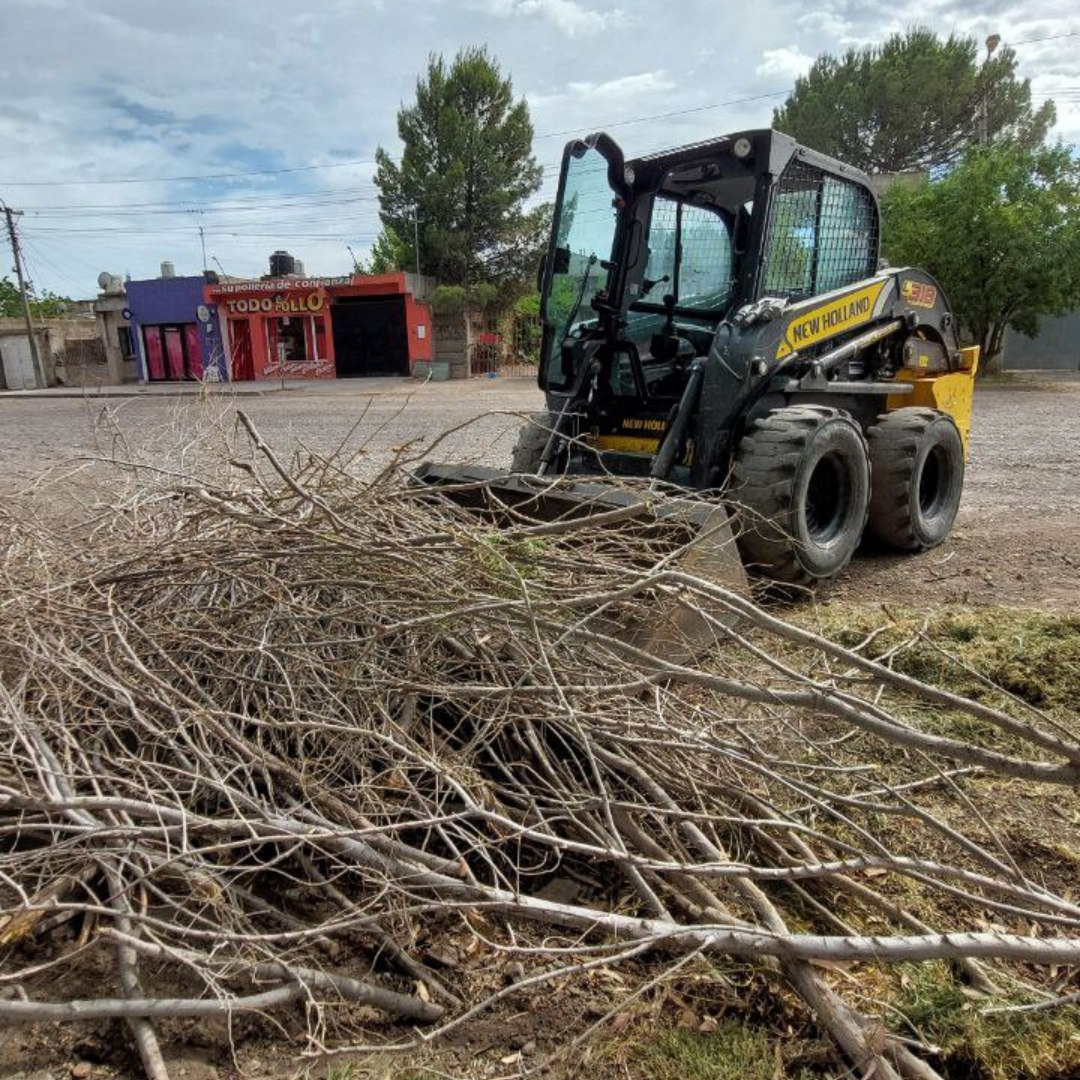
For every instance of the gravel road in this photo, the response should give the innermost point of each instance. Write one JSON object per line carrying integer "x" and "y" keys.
{"x": 1017, "y": 540}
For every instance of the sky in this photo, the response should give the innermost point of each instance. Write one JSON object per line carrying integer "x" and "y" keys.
{"x": 126, "y": 125}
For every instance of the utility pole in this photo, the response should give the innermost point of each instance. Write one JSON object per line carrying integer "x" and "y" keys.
{"x": 202, "y": 238}
{"x": 35, "y": 358}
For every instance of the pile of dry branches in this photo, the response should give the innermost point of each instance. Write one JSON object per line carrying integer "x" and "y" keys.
{"x": 249, "y": 723}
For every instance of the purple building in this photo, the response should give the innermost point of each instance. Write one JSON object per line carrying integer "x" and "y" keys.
{"x": 176, "y": 334}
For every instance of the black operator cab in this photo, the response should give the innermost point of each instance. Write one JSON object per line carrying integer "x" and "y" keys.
{"x": 650, "y": 259}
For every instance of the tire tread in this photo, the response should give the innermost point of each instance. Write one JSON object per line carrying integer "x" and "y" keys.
{"x": 894, "y": 441}
{"x": 764, "y": 473}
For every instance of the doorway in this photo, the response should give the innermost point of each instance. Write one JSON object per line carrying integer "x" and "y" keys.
{"x": 370, "y": 336}
{"x": 173, "y": 353}
{"x": 243, "y": 363}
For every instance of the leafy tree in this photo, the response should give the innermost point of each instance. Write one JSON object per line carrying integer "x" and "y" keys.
{"x": 389, "y": 254}
{"x": 527, "y": 332}
{"x": 10, "y": 302}
{"x": 48, "y": 305}
{"x": 1000, "y": 231}
{"x": 911, "y": 103}
{"x": 566, "y": 220}
{"x": 466, "y": 170}
{"x": 453, "y": 299}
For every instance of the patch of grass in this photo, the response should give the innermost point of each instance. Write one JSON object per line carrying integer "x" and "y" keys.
{"x": 514, "y": 557}
{"x": 1032, "y": 655}
{"x": 344, "y": 1070}
{"x": 732, "y": 1052}
{"x": 996, "y": 1046}
{"x": 379, "y": 1068}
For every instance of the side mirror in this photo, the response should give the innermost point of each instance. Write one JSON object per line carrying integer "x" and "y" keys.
{"x": 540, "y": 273}
{"x": 562, "y": 261}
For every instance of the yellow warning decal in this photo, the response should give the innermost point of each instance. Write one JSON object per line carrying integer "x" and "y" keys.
{"x": 830, "y": 319}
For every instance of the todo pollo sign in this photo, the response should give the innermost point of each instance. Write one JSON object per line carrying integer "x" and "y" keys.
{"x": 284, "y": 304}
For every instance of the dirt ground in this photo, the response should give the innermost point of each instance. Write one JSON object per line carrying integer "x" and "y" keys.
{"x": 1017, "y": 540}
{"x": 1016, "y": 544}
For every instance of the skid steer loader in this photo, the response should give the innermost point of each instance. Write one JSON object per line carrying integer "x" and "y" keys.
{"x": 715, "y": 317}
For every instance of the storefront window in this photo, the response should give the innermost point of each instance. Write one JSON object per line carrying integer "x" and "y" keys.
{"x": 288, "y": 343}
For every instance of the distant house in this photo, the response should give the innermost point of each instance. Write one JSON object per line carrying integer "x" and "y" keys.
{"x": 114, "y": 328}
{"x": 70, "y": 351}
{"x": 175, "y": 333}
{"x": 323, "y": 328}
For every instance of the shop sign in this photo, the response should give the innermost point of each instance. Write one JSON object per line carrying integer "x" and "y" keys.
{"x": 290, "y": 304}
{"x": 280, "y": 285}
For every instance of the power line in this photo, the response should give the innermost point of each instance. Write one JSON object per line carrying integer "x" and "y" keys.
{"x": 194, "y": 178}
{"x": 344, "y": 164}
{"x": 1049, "y": 37}
{"x": 285, "y": 233}
{"x": 65, "y": 253}
{"x": 331, "y": 194}
{"x": 59, "y": 272}
{"x": 187, "y": 179}
{"x": 666, "y": 115}
{"x": 208, "y": 209}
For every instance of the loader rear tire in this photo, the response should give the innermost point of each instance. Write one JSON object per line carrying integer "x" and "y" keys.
{"x": 801, "y": 486}
{"x": 917, "y": 463}
{"x": 532, "y": 440}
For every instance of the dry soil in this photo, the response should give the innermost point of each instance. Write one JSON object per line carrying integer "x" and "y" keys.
{"x": 1016, "y": 542}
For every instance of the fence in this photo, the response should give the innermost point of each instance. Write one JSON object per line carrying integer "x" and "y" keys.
{"x": 507, "y": 346}
{"x": 82, "y": 362}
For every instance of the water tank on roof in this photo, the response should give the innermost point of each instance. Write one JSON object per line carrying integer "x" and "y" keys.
{"x": 282, "y": 264}
{"x": 168, "y": 270}
{"x": 298, "y": 268}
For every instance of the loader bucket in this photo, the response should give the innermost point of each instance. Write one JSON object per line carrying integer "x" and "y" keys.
{"x": 671, "y": 630}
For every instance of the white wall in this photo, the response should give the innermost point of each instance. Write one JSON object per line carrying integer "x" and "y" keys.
{"x": 18, "y": 362}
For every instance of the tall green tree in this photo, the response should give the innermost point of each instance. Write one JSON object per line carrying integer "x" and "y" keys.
{"x": 912, "y": 102}
{"x": 1001, "y": 232}
{"x": 466, "y": 172}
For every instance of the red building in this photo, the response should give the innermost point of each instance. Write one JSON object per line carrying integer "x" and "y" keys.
{"x": 322, "y": 328}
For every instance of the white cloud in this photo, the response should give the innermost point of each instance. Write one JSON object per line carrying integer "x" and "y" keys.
{"x": 826, "y": 23}
{"x": 624, "y": 88}
{"x": 569, "y": 16}
{"x": 141, "y": 90}
{"x": 786, "y": 62}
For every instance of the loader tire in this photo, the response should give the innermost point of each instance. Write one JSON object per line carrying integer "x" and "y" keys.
{"x": 532, "y": 439}
{"x": 801, "y": 487}
{"x": 917, "y": 463}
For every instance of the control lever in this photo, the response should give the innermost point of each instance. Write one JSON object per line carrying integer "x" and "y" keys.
{"x": 649, "y": 284}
